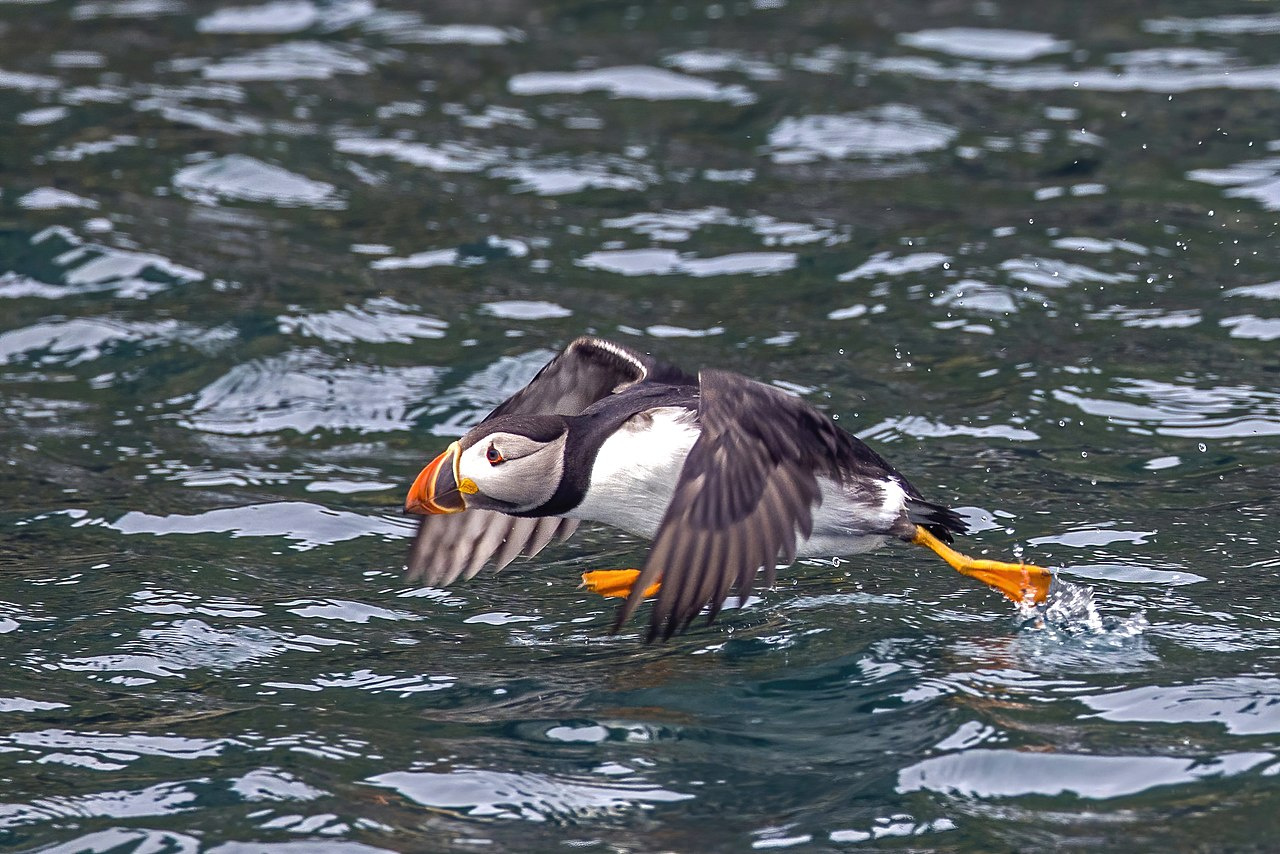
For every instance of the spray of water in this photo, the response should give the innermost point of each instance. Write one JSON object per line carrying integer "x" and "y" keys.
{"x": 1070, "y": 611}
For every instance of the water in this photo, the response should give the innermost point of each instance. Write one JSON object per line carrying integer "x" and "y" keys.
{"x": 258, "y": 263}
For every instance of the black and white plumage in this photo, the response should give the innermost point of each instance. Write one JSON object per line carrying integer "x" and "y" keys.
{"x": 725, "y": 474}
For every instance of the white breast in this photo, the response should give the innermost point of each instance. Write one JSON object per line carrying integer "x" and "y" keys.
{"x": 636, "y": 470}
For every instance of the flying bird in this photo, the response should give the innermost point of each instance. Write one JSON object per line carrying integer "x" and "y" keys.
{"x": 726, "y": 475}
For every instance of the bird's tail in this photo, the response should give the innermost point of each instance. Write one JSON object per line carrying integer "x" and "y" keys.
{"x": 944, "y": 523}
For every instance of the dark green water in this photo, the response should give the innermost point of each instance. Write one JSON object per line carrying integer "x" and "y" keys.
{"x": 258, "y": 264}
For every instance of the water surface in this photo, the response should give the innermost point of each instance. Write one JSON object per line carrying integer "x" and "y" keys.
{"x": 259, "y": 263}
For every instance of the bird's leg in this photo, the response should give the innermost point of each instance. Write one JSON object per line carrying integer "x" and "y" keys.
{"x": 616, "y": 582}
{"x": 1019, "y": 581}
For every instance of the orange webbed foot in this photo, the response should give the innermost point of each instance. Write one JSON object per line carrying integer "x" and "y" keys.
{"x": 616, "y": 582}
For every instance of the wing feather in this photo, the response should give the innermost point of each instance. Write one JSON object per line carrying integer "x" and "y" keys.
{"x": 460, "y": 545}
{"x": 744, "y": 499}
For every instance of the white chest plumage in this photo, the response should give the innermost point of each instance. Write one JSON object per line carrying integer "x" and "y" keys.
{"x": 637, "y": 468}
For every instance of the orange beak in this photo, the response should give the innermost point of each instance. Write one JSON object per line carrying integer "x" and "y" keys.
{"x": 437, "y": 488}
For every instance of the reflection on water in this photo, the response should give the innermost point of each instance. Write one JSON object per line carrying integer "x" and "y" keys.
{"x": 260, "y": 260}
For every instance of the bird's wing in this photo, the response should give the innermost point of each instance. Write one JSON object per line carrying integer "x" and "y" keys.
{"x": 587, "y": 370}
{"x": 744, "y": 499}
{"x": 459, "y": 544}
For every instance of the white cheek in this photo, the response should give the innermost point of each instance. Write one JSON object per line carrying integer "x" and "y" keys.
{"x": 472, "y": 464}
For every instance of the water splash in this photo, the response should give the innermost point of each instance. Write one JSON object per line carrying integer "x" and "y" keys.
{"x": 1070, "y": 611}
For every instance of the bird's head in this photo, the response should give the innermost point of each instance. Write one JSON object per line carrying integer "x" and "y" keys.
{"x": 512, "y": 464}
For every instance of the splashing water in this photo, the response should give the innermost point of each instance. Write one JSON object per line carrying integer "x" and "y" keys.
{"x": 1069, "y": 611}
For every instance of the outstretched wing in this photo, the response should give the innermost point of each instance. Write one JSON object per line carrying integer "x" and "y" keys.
{"x": 459, "y": 544}
{"x": 587, "y": 370}
{"x": 744, "y": 500}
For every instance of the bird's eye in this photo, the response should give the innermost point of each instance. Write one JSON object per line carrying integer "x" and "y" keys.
{"x": 493, "y": 455}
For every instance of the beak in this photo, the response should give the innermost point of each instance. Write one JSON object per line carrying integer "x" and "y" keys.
{"x": 437, "y": 489}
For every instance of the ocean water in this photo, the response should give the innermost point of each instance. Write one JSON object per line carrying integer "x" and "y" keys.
{"x": 259, "y": 263}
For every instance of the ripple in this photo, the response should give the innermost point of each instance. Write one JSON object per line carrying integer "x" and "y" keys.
{"x": 203, "y": 119}
{"x": 986, "y": 773}
{"x": 891, "y": 130}
{"x": 346, "y": 611}
{"x": 1093, "y": 537}
{"x": 21, "y": 704}
{"x": 679, "y": 226}
{"x": 328, "y": 846}
{"x": 174, "y": 648}
{"x": 304, "y": 390}
{"x": 405, "y": 685}
{"x": 418, "y": 260}
{"x": 309, "y": 525}
{"x": 1133, "y": 574}
{"x": 283, "y": 16}
{"x": 1244, "y": 705}
{"x": 73, "y": 342}
{"x": 381, "y": 320}
{"x": 986, "y": 44}
{"x": 500, "y": 618}
{"x": 1141, "y": 71}
{"x": 887, "y": 264}
{"x": 91, "y": 267}
{"x": 1223, "y": 25}
{"x": 555, "y": 179}
{"x": 897, "y": 825}
{"x": 1182, "y": 410}
{"x": 118, "y": 839}
{"x": 80, "y": 150}
{"x": 238, "y": 177}
{"x": 161, "y": 799}
{"x": 468, "y": 255}
{"x": 517, "y": 309}
{"x": 1252, "y": 326}
{"x": 24, "y": 82}
{"x": 1099, "y": 246}
{"x": 51, "y": 198}
{"x": 1054, "y": 273}
{"x": 289, "y": 61}
{"x": 713, "y": 61}
{"x": 402, "y": 27}
{"x": 1266, "y": 290}
{"x": 532, "y": 797}
{"x": 444, "y": 157}
{"x": 919, "y": 427}
{"x": 666, "y": 262}
{"x": 274, "y": 784}
{"x": 981, "y": 297}
{"x": 1148, "y": 318}
{"x": 348, "y": 487}
{"x": 630, "y": 81}
{"x": 110, "y": 751}
{"x": 1252, "y": 179}
{"x": 127, "y": 9}
{"x": 665, "y": 330}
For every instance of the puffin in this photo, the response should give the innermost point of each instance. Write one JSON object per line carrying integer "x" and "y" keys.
{"x": 727, "y": 476}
